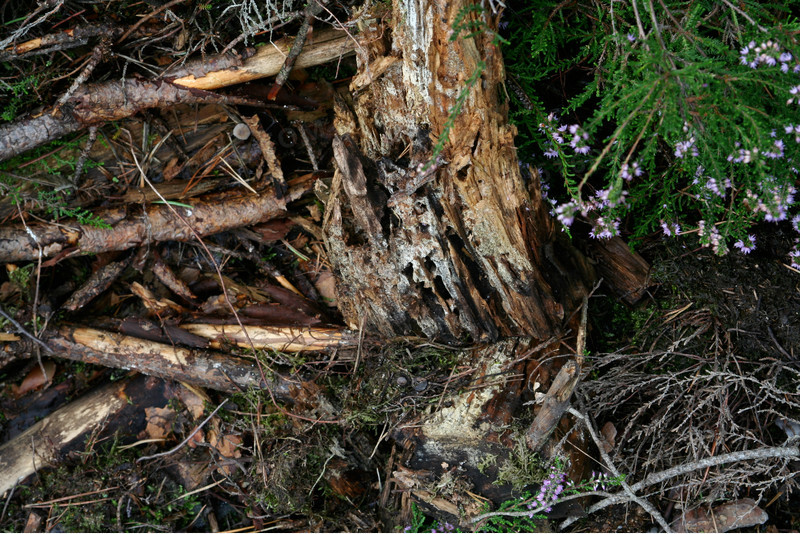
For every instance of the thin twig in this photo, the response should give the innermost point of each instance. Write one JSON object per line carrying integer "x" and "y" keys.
{"x": 8, "y": 499}
{"x": 185, "y": 441}
{"x": 649, "y": 508}
{"x": 540, "y": 509}
{"x": 24, "y": 332}
{"x": 98, "y": 53}
{"x": 84, "y": 154}
{"x": 661, "y": 476}
{"x": 313, "y": 9}
{"x": 148, "y": 17}
{"x": 745, "y": 15}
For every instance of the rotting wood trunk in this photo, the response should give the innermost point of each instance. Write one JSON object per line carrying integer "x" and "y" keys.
{"x": 464, "y": 249}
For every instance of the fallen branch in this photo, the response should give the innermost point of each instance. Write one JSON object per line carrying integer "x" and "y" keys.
{"x": 64, "y": 40}
{"x": 203, "y": 368}
{"x": 326, "y": 45}
{"x": 95, "y": 104}
{"x": 629, "y": 492}
{"x": 211, "y": 215}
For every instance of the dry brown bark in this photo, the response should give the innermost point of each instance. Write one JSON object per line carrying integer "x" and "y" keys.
{"x": 95, "y": 104}
{"x": 209, "y": 215}
{"x": 625, "y": 271}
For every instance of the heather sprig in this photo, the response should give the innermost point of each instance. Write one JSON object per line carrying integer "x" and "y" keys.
{"x": 693, "y": 125}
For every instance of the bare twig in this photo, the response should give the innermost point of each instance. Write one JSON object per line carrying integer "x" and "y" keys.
{"x": 25, "y": 332}
{"x": 84, "y": 154}
{"x": 148, "y": 17}
{"x": 745, "y": 15}
{"x": 313, "y": 9}
{"x": 649, "y": 508}
{"x": 26, "y": 26}
{"x": 95, "y": 59}
{"x": 661, "y": 476}
{"x": 540, "y": 509}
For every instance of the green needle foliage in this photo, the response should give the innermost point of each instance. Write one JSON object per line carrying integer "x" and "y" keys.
{"x": 675, "y": 114}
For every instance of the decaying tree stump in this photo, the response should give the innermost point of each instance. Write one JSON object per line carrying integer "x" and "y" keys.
{"x": 460, "y": 248}
{"x": 469, "y": 250}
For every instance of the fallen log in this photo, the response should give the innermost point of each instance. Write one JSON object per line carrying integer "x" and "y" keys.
{"x": 119, "y": 405}
{"x": 96, "y": 104}
{"x": 209, "y": 215}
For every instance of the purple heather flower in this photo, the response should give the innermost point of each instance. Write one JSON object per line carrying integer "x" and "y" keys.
{"x": 794, "y": 255}
{"x": 565, "y": 213}
{"x": 795, "y": 92}
{"x": 628, "y": 172}
{"x": 796, "y": 223}
{"x": 683, "y": 147}
{"x": 746, "y": 247}
{"x": 631, "y": 37}
{"x": 551, "y": 153}
{"x": 604, "y": 229}
{"x": 583, "y": 149}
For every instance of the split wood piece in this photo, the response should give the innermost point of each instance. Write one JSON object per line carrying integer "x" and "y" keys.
{"x": 557, "y": 399}
{"x": 625, "y": 271}
{"x": 555, "y": 403}
{"x": 209, "y": 215}
{"x": 167, "y": 277}
{"x": 280, "y": 339}
{"x": 118, "y": 405}
{"x": 325, "y": 45}
{"x": 98, "y": 282}
{"x": 96, "y": 104}
{"x": 268, "y": 150}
